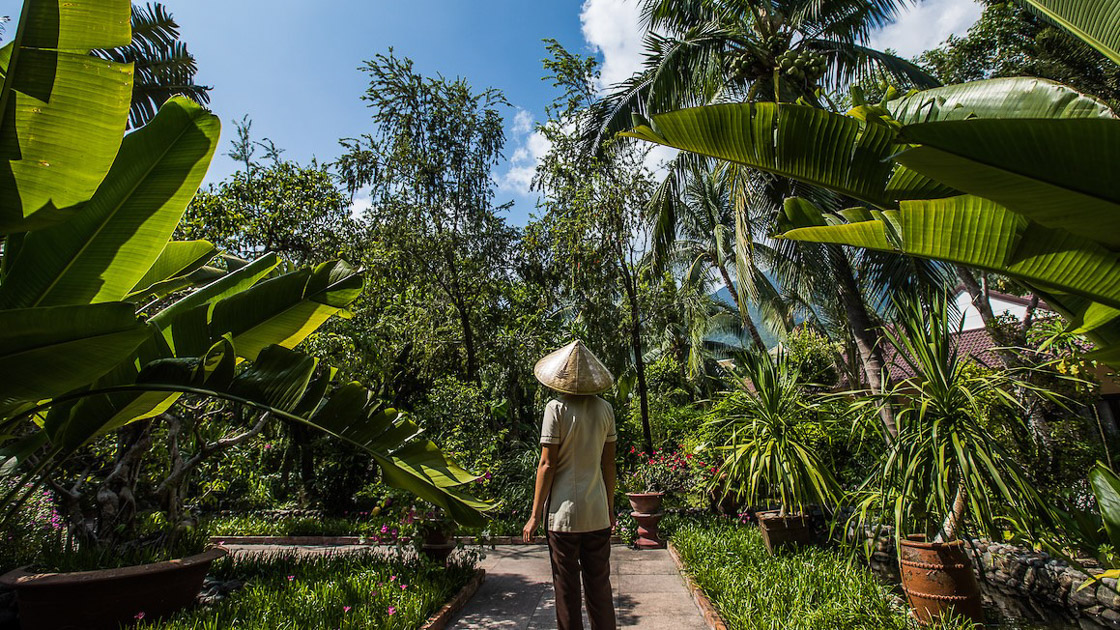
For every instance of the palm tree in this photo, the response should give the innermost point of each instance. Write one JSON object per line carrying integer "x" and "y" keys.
{"x": 708, "y": 51}
{"x": 162, "y": 64}
{"x": 699, "y": 232}
{"x": 700, "y": 52}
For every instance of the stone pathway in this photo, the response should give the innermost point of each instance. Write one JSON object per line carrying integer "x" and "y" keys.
{"x": 517, "y": 594}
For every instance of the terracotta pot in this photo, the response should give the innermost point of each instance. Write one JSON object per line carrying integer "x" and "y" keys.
{"x": 437, "y": 546}
{"x": 728, "y": 504}
{"x": 109, "y": 597}
{"x": 938, "y": 577}
{"x": 779, "y": 532}
{"x": 648, "y": 536}
{"x": 645, "y": 502}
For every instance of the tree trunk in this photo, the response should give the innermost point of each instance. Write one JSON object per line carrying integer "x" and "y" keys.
{"x": 951, "y": 525}
{"x": 468, "y": 343}
{"x": 629, "y": 284}
{"x": 1036, "y": 421}
{"x": 866, "y": 338}
{"x": 744, "y": 315}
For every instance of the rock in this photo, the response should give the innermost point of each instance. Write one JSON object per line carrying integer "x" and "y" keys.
{"x": 1084, "y": 596}
{"x": 1111, "y": 618}
{"x": 1107, "y": 595}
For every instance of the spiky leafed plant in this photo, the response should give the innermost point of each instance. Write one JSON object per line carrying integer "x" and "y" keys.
{"x": 162, "y": 64}
{"x": 766, "y": 454}
{"x": 946, "y": 471}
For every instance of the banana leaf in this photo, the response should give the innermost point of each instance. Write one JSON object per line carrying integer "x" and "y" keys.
{"x": 45, "y": 352}
{"x": 62, "y": 111}
{"x": 1060, "y": 173}
{"x": 178, "y": 260}
{"x": 101, "y": 253}
{"x": 1093, "y": 21}
{"x": 1012, "y": 97}
{"x": 1076, "y": 275}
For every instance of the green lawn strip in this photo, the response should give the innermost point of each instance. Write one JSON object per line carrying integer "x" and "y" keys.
{"x": 811, "y": 588}
{"x": 354, "y": 590}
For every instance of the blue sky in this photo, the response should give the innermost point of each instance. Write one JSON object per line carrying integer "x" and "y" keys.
{"x": 292, "y": 66}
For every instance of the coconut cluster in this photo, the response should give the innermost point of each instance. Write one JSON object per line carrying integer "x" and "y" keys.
{"x": 802, "y": 65}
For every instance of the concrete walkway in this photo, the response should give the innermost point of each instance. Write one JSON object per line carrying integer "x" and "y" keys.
{"x": 517, "y": 594}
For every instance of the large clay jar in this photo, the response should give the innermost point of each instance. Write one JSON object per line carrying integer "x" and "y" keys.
{"x": 109, "y": 597}
{"x": 646, "y": 502}
{"x": 779, "y": 532}
{"x": 937, "y": 578}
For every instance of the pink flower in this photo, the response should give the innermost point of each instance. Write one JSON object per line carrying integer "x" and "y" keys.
{"x": 404, "y": 586}
{"x": 345, "y": 609}
{"x": 267, "y": 446}
{"x": 392, "y": 610}
{"x": 138, "y": 616}
{"x": 291, "y": 577}
{"x": 392, "y": 578}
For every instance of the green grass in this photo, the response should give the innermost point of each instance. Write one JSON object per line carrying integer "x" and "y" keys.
{"x": 808, "y": 589}
{"x": 354, "y": 590}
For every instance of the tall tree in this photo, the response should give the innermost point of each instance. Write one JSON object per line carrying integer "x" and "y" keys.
{"x": 428, "y": 168}
{"x": 1010, "y": 41}
{"x": 295, "y": 210}
{"x": 593, "y": 211}
{"x": 162, "y": 65}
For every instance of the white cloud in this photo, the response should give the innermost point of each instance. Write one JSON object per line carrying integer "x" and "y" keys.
{"x": 522, "y": 121}
{"x": 361, "y": 204}
{"x": 531, "y": 146}
{"x": 926, "y": 25}
{"x": 613, "y": 28}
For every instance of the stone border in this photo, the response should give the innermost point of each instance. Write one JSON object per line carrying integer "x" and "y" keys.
{"x": 711, "y": 616}
{"x": 358, "y": 540}
{"x": 443, "y": 616}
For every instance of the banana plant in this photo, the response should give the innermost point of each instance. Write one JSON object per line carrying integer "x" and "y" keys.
{"x": 1033, "y": 154}
{"x": 86, "y": 227}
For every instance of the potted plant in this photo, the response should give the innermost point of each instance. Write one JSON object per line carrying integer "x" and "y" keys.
{"x": 946, "y": 472}
{"x": 433, "y": 534}
{"x": 104, "y": 586}
{"x": 766, "y": 454}
{"x": 655, "y": 475}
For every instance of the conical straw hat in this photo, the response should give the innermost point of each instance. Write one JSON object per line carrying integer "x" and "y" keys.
{"x": 574, "y": 370}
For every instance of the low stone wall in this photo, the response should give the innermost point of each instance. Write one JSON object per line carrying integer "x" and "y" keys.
{"x": 1046, "y": 585}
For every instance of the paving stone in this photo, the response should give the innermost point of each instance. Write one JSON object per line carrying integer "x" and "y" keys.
{"x": 648, "y": 592}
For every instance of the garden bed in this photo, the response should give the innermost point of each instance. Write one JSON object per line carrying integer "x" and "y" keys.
{"x": 352, "y": 590}
{"x": 807, "y": 589}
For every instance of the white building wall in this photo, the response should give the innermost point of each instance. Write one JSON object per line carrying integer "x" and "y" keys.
{"x": 972, "y": 319}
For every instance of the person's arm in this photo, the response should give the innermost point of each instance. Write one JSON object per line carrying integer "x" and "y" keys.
{"x": 609, "y": 474}
{"x": 545, "y": 472}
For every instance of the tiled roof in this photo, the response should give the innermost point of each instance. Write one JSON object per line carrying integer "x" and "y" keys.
{"x": 976, "y": 344}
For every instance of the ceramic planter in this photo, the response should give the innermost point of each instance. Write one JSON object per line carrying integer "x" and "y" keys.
{"x": 437, "y": 546}
{"x": 646, "y": 502}
{"x": 108, "y": 597}
{"x": 779, "y": 532}
{"x": 937, "y": 577}
{"x": 647, "y": 513}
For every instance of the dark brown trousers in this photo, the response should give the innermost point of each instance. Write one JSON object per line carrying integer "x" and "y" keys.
{"x": 587, "y": 554}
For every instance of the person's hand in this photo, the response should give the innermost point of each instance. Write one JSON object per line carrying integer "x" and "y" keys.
{"x": 530, "y": 529}
{"x": 614, "y": 519}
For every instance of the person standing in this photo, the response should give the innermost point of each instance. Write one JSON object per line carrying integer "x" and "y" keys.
{"x": 574, "y": 492}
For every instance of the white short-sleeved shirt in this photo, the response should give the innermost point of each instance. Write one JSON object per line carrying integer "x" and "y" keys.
{"x": 581, "y": 426}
